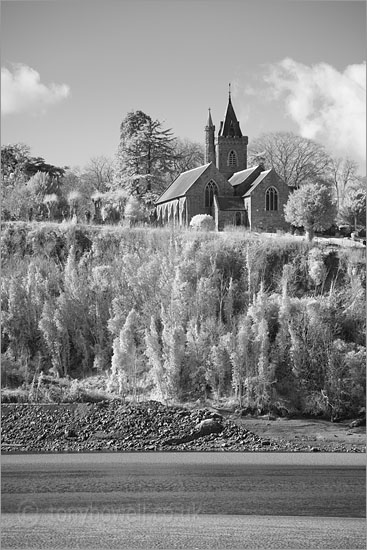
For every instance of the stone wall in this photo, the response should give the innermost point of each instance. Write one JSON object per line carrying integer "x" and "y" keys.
{"x": 181, "y": 210}
{"x": 224, "y": 146}
{"x": 195, "y": 196}
{"x": 228, "y": 217}
{"x": 262, "y": 219}
{"x": 172, "y": 212}
{"x": 210, "y": 145}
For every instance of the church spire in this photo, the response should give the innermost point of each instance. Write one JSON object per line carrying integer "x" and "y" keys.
{"x": 230, "y": 127}
{"x": 231, "y": 145}
{"x": 210, "y": 122}
{"x": 209, "y": 140}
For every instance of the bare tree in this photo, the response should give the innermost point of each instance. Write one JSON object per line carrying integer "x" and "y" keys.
{"x": 74, "y": 199}
{"x": 294, "y": 158}
{"x": 343, "y": 173}
{"x": 353, "y": 209}
{"x": 74, "y": 181}
{"x": 51, "y": 201}
{"x": 99, "y": 173}
{"x": 187, "y": 155}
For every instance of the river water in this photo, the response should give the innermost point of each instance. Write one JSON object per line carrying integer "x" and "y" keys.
{"x": 159, "y": 500}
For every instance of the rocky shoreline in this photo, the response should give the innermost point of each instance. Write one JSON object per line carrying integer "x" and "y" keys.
{"x": 148, "y": 426}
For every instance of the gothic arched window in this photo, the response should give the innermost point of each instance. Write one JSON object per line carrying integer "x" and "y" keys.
{"x": 211, "y": 189}
{"x": 232, "y": 158}
{"x": 271, "y": 199}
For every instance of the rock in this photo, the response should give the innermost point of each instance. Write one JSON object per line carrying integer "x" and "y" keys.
{"x": 216, "y": 416}
{"x": 209, "y": 426}
{"x": 70, "y": 432}
{"x": 123, "y": 427}
{"x": 358, "y": 422}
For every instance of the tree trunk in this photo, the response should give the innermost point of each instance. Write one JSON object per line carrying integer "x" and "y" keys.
{"x": 310, "y": 233}
{"x": 239, "y": 394}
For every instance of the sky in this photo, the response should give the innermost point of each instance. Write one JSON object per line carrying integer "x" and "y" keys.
{"x": 72, "y": 70}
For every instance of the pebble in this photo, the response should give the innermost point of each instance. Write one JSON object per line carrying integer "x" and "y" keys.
{"x": 116, "y": 426}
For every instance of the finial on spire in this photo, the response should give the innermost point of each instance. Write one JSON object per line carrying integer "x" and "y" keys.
{"x": 229, "y": 91}
{"x": 210, "y": 122}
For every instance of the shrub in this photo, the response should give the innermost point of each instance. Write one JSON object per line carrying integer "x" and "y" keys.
{"x": 14, "y": 396}
{"x": 134, "y": 211}
{"x": 202, "y": 222}
{"x": 316, "y": 267}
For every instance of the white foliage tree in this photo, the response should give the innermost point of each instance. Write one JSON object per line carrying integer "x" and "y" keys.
{"x": 154, "y": 354}
{"x": 124, "y": 365}
{"x": 173, "y": 345}
{"x": 241, "y": 359}
{"x": 219, "y": 364}
{"x": 261, "y": 383}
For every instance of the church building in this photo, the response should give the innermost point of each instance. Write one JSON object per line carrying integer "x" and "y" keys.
{"x": 224, "y": 187}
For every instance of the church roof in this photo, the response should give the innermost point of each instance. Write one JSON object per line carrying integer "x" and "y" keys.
{"x": 231, "y": 126}
{"x": 230, "y": 203}
{"x": 240, "y": 177}
{"x": 182, "y": 184}
{"x": 256, "y": 182}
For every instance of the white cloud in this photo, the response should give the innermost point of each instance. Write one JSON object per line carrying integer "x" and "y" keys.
{"x": 23, "y": 92}
{"x": 327, "y": 105}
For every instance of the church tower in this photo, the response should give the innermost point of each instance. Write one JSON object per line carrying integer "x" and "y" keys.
{"x": 209, "y": 141}
{"x": 231, "y": 144}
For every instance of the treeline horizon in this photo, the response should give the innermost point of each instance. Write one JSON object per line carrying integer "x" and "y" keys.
{"x": 124, "y": 188}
